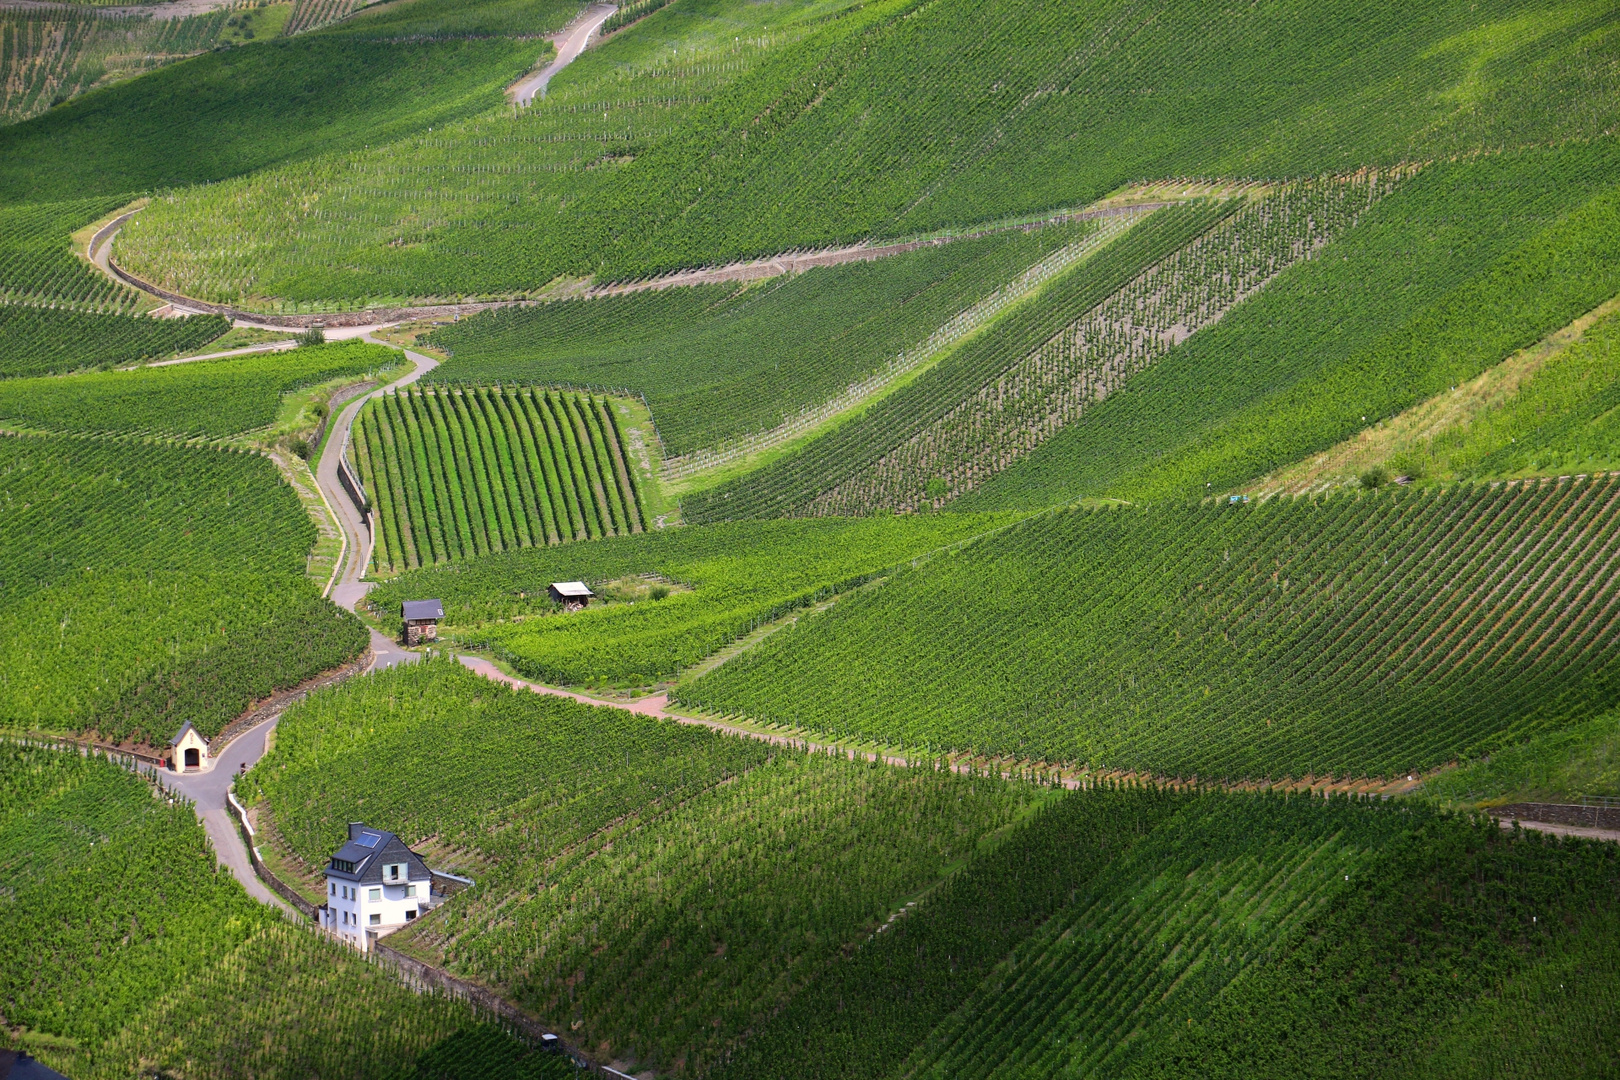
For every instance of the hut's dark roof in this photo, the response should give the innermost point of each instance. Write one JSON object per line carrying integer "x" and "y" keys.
{"x": 423, "y": 609}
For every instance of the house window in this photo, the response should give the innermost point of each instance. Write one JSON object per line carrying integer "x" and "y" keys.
{"x": 410, "y": 913}
{"x": 376, "y": 919}
{"x": 410, "y": 891}
{"x": 331, "y": 888}
{"x": 376, "y": 894}
{"x": 394, "y": 872}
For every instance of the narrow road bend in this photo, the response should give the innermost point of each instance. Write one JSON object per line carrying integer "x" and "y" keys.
{"x": 570, "y": 42}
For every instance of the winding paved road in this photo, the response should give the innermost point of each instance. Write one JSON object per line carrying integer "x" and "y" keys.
{"x": 570, "y": 42}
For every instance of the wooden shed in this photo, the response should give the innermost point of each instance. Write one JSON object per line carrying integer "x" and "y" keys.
{"x": 188, "y": 749}
{"x": 421, "y": 620}
{"x": 572, "y": 595}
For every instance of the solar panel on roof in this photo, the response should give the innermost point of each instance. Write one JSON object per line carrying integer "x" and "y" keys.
{"x": 368, "y": 839}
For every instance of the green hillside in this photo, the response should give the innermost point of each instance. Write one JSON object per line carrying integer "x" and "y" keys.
{"x": 716, "y": 362}
{"x": 457, "y": 474}
{"x": 209, "y": 399}
{"x": 144, "y": 585}
{"x": 176, "y": 968}
{"x": 719, "y": 130}
{"x": 37, "y": 263}
{"x": 1349, "y": 637}
{"x": 706, "y": 905}
{"x": 47, "y": 341}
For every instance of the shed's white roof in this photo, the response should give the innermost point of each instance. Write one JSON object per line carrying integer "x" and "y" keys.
{"x": 571, "y": 588}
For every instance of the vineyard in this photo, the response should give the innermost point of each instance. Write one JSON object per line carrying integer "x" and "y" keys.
{"x": 460, "y": 473}
{"x": 176, "y": 968}
{"x": 50, "y": 55}
{"x": 1349, "y": 636}
{"x": 799, "y": 483}
{"x": 718, "y": 362}
{"x": 38, "y": 266}
{"x": 211, "y": 399}
{"x": 142, "y": 585}
{"x": 735, "y": 578}
{"x": 45, "y": 341}
{"x": 632, "y": 886}
{"x": 649, "y": 154}
{"x": 700, "y": 878}
{"x": 1458, "y": 268}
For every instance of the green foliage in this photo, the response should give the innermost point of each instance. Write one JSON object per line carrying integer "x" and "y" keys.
{"x": 1460, "y": 267}
{"x": 646, "y": 878}
{"x": 1349, "y": 636}
{"x": 37, "y": 262}
{"x": 45, "y": 341}
{"x": 460, "y": 473}
{"x": 741, "y": 576}
{"x": 234, "y": 111}
{"x": 144, "y": 585}
{"x": 123, "y": 936}
{"x": 445, "y": 19}
{"x": 717, "y": 361}
{"x": 794, "y": 483}
{"x": 863, "y": 1015}
{"x": 1554, "y": 767}
{"x": 1444, "y": 918}
{"x": 209, "y": 399}
{"x": 700, "y": 136}
{"x": 50, "y": 55}
{"x": 1562, "y": 419}
{"x": 486, "y": 1053}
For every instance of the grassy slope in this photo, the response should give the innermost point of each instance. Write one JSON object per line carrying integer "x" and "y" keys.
{"x": 716, "y": 362}
{"x": 43, "y": 341}
{"x": 899, "y": 116}
{"x": 1452, "y": 273}
{"x": 1351, "y": 636}
{"x": 1559, "y": 766}
{"x": 177, "y": 969}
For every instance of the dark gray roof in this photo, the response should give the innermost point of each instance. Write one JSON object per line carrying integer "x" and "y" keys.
{"x": 369, "y": 850}
{"x": 185, "y": 727}
{"x": 423, "y": 609}
{"x": 571, "y": 588}
{"x": 17, "y": 1065}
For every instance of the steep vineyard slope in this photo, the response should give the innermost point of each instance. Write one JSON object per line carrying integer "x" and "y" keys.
{"x": 726, "y": 580}
{"x": 719, "y": 129}
{"x": 45, "y": 341}
{"x": 461, "y": 473}
{"x": 1351, "y": 636}
{"x": 176, "y": 969}
{"x": 719, "y": 362}
{"x": 1462, "y": 265}
{"x": 143, "y": 585}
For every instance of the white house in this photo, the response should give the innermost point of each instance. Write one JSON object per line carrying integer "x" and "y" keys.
{"x": 374, "y": 884}
{"x": 187, "y": 750}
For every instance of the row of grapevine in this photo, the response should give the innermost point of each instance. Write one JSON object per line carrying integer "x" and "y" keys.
{"x": 655, "y": 159}
{"x": 736, "y": 577}
{"x": 720, "y": 364}
{"x": 143, "y": 585}
{"x": 177, "y": 970}
{"x": 51, "y": 54}
{"x": 44, "y": 341}
{"x": 209, "y": 399}
{"x": 792, "y": 484}
{"x": 1059, "y": 381}
{"x": 312, "y": 14}
{"x": 461, "y": 473}
{"x": 657, "y": 881}
{"x": 37, "y": 263}
{"x": 1349, "y": 636}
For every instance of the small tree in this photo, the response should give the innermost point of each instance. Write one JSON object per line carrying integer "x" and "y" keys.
{"x": 1374, "y": 477}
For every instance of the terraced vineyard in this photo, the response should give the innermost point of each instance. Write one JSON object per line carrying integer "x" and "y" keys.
{"x": 461, "y": 473}
{"x": 45, "y": 341}
{"x": 1349, "y": 636}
